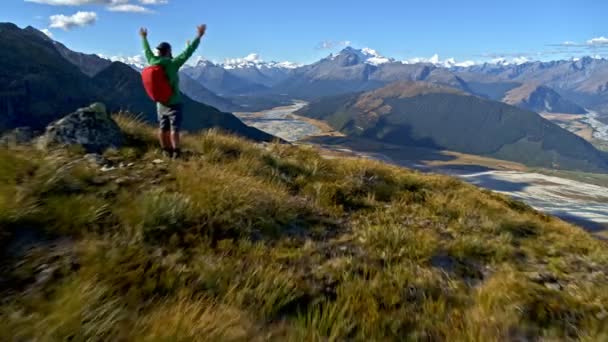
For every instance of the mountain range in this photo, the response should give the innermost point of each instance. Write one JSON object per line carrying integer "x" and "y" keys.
{"x": 41, "y": 80}
{"x": 567, "y": 86}
{"x": 439, "y": 117}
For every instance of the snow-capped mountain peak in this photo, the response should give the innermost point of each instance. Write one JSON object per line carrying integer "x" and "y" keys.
{"x": 137, "y": 62}
{"x": 374, "y": 58}
{"x": 254, "y": 60}
{"x": 365, "y": 55}
{"x": 200, "y": 61}
{"x": 437, "y": 61}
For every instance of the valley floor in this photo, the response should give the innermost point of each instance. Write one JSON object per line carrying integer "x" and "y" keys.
{"x": 591, "y": 126}
{"x": 574, "y": 200}
{"x": 280, "y": 122}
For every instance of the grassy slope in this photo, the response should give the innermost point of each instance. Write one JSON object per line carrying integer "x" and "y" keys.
{"x": 447, "y": 121}
{"x": 247, "y": 243}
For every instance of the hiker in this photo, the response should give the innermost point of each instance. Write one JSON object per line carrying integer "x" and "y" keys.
{"x": 170, "y": 108}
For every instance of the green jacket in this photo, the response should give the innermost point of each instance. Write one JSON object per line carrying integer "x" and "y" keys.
{"x": 171, "y": 66}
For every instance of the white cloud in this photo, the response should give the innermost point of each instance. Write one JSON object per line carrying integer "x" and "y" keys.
{"x": 111, "y": 5}
{"x": 598, "y": 41}
{"x": 591, "y": 43}
{"x": 129, "y": 8}
{"x": 78, "y": 2}
{"x": 514, "y": 60}
{"x": 47, "y": 32}
{"x": 153, "y": 2}
{"x": 80, "y": 19}
{"x": 330, "y": 44}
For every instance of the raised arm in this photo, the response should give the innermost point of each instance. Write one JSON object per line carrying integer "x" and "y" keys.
{"x": 184, "y": 56}
{"x": 143, "y": 32}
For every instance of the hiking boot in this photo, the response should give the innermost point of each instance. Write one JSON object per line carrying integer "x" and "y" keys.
{"x": 167, "y": 152}
{"x": 177, "y": 153}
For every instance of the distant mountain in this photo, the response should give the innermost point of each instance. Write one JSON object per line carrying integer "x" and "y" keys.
{"x": 540, "y": 99}
{"x": 583, "y": 81}
{"x": 265, "y": 76}
{"x": 435, "y": 116}
{"x": 355, "y": 70}
{"x": 252, "y": 68}
{"x": 38, "y": 85}
{"x": 199, "y": 93}
{"x": 89, "y": 64}
{"x": 567, "y": 85}
{"x": 220, "y": 80}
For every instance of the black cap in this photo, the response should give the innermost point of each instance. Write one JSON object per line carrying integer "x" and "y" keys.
{"x": 164, "y": 46}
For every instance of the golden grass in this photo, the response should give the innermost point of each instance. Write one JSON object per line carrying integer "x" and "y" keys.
{"x": 246, "y": 242}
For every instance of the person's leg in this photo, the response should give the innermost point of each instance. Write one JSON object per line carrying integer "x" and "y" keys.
{"x": 175, "y": 139}
{"x": 164, "y": 132}
{"x": 176, "y": 121}
{"x": 167, "y": 140}
{"x": 162, "y": 139}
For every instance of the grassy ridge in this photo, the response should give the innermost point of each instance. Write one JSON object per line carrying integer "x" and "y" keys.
{"x": 246, "y": 242}
{"x": 426, "y": 115}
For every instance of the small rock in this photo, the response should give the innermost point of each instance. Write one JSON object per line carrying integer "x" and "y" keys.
{"x": 107, "y": 168}
{"x": 96, "y": 159}
{"x": 99, "y": 180}
{"x": 124, "y": 181}
{"x": 45, "y": 274}
{"x": 553, "y": 286}
{"x": 158, "y": 161}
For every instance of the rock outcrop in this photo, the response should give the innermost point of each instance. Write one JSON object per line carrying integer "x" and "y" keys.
{"x": 91, "y": 127}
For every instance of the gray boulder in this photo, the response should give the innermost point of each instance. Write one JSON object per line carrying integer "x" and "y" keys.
{"x": 91, "y": 127}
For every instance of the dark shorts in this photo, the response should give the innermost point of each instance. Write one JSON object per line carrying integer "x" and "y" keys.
{"x": 169, "y": 117}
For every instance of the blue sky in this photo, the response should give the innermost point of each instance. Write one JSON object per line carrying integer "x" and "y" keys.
{"x": 305, "y": 30}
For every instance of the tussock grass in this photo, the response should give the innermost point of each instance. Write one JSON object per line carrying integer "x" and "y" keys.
{"x": 244, "y": 242}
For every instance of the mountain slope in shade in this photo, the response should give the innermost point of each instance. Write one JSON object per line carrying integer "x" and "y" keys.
{"x": 38, "y": 85}
{"x": 429, "y": 115}
{"x": 89, "y": 64}
{"x": 539, "y": 99}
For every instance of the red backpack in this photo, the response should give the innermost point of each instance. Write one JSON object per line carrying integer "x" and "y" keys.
{"x": 157, "y": 84}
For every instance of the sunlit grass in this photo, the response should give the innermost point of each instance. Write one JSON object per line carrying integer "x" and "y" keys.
{"x": 243, "y": 242}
